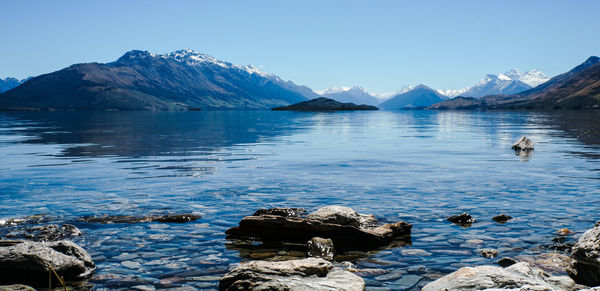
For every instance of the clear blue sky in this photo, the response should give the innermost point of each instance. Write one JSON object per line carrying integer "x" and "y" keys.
{"x": 380, "y": 45}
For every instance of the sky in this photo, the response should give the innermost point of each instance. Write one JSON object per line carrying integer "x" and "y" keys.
{"x": 378, "y": 45}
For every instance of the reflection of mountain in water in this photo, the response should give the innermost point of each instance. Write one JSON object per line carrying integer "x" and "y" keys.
{"x": 582, "y": 125}
{"x": 137, "y": 134}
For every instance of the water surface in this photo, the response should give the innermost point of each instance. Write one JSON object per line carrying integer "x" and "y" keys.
{"x": 416, "y": 166}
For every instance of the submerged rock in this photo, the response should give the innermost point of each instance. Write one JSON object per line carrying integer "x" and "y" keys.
{"x": 585, "y": 266}
{"x": 523, "y": 144}
{"x": 166, "y": 218}
{"x": 520, "y": 276}
{"x": 285, "y": 212}
{"x": 463, "y": 219}
{"x": 30, "y": 262}
{"x": 50, "y": 232}
{"x": 347, "y": 229}
{"x": 502, "y": 218}
{"x": 305, "y": 274}
{"x": 344, "y": 216}
{"x": 321, "y": 247}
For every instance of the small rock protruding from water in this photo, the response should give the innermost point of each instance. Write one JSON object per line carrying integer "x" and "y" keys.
{"x": 463, "y": 219}
{"x": 585, "y": 266}
{"x": 50, "y": 232}
{"x": 502, "y": 218}
{"x": 321, "y": 247}
{"x": 506, "y": 261}
{"x": 523, "y": 144}
{"x": 343, "y": 216}
{"x": 284, "y": 212}
{"x": 489, "y": 253}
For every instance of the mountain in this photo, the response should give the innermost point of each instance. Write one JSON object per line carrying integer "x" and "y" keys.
{"x": 511, "y": 82}
{"x": 140, "y": 80}
{"x": 354, "y": 94}
{"x": 578, "y": 88}
{"x": 324, "y": 104}
{"x": 420, "y": 96}
{"x": 9, "y": 83}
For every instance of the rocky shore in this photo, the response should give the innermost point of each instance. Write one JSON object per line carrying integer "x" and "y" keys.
{"x": 327, "y": 243}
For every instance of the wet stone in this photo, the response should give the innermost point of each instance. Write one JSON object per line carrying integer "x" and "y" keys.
{"x": 505, "y": 262}
{"x": 489, "y": 253}
{"x": 321, "y": 247}
{"x": 50, "y": 232}
{"x": 463, "y": 219}
{"x": 502, "y": 218}
{"x": 285, "y": 212}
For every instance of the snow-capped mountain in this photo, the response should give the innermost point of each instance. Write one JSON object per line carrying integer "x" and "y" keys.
{"x": 9, "y": 83}
{"x": 140, "y": 80}
{"x": 532, "y": 78}
{"x": 511, "y": 82}
{"x": 356, "y": 95}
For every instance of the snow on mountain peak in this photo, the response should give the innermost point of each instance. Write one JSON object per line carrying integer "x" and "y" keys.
{"x": 193, "y": 58}
{"x": 532, "y": 78}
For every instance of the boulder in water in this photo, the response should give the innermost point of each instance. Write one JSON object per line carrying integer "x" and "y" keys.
{"x": 523, "y": 144}
{"x": 585, "y": 266}
{"x": 305, "y": 274}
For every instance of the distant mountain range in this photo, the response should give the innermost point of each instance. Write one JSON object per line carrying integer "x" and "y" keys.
{"x": 511, "y": 82}
{"x": 578, "y": 88}
{"x": 357, "y": 95}
{"x": 140, "y": 80}
{"x": 419, "y": 97}
{"x": 9, "y": 83}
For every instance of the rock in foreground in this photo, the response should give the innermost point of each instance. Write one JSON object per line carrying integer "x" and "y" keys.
{"x": 585, "y": 267}
{"x": 346, "y": 232}
{"x": 321, "y": 247}
{"x": 30, "y": 262}
{"x": 305, "y": 274}
{"x": 520, "y": 276}
{"x": 325, "y": 104}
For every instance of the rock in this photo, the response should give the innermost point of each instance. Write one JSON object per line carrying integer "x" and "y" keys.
{"x": 549, "y": 262}
{"x": 564, "y": 232}
{"x": 520, "y": 276}
{"x": 505, "y": 262}
{"x": 463, "y": 219}
{"x": 585, "y": 266}
{"x": 321, "y": 247}
{"x": 523, "y": 144}
{"x": 49, "y": 232}
{"x": 31, "y": 219}
{"x": 29, "y": 262}
{"x": 489, "y": 253}
{"x": 344, "y": 216}
{"x": 324, "y": 104}
{"x": 348, "y": 236}
{"x": 502, "y": 218}
{"x": 16, "y": 287}
{"x": 305, "y": 274}
{"x": 167, "y": 218}
{"x": 285, "y": 212}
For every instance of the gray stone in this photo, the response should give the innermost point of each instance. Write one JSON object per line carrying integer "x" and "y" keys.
{"x": 520, "y": 276}
{"x": 523, "y": 144}
{"x": 585, "y": 266}
{"x": 305, "y": 274}
{"x": 321, "y": 247}
{"x": 502, "y": 218}
{"x": 30, "y": 262}
{"x": 489, "y": 253}
{"x": 344, "y": 216}
{"x": 16, "y": 287}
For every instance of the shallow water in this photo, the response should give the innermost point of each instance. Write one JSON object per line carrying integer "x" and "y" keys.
{"x": 416, "y": 166}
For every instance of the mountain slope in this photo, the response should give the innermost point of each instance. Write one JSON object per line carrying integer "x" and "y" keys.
{"x": 140, "y": 80}
{"x": 420, "y": 96}
{"x": 354, "y": 94}
{"x": 578, "y": 88}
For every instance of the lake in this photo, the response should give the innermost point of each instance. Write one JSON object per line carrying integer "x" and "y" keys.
{"x": 415, "y": 166}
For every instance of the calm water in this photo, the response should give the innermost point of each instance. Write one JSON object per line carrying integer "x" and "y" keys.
{"x": 416, "y": 166}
